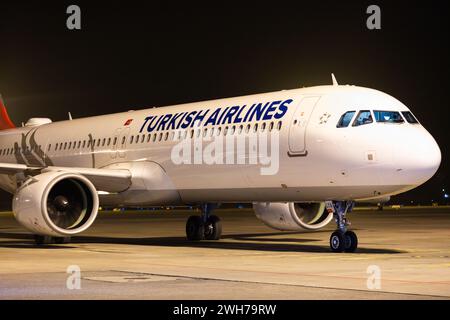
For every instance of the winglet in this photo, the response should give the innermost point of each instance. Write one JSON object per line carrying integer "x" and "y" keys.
{"x": 5, "y": 121}
{"x": 333, "y": 78}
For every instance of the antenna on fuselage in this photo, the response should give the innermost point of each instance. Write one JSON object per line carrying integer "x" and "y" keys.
{"x": 333, "y": 78}
{"x": 70, "y": 115}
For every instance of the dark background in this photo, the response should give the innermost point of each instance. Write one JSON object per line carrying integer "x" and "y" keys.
{"x": 132, "y": 54}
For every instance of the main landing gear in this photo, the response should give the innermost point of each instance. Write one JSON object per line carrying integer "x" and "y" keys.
{"x": 204, "y": 227}
{"x": 342, "y": 240}
{"x": 42, "y": 240}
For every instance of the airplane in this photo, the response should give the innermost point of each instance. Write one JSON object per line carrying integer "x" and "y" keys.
{"x": 334, "y": 145}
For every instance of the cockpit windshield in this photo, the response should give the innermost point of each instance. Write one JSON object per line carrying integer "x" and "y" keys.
{"x": 363, "y": 117}
{"x": 345, "y": 119}
{"x": 382, "y": 116}
{"x": 409, "y": 117}
{"x": 388, "y": 116}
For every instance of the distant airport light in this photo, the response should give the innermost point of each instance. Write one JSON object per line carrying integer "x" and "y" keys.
{"x": 446, "y": 195}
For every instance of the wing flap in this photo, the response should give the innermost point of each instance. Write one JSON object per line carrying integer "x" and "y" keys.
{"x": 110, "y": 180}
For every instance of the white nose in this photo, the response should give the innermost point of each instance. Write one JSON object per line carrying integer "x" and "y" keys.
{"x": 417, "y": 155}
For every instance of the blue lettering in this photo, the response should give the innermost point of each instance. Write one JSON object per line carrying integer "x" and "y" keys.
{"x": 212, "y": 118}
{"x": 145, "y": 122}
{"x": 271, "y": 108}
{"x": 165, "y": 119}
{"x": 188, "y": 119}
{"x": 171, "y": 124}
{"x": 199, "y": 118}
{"x": 283, "y": 108}
{"x": 230, "y": 114}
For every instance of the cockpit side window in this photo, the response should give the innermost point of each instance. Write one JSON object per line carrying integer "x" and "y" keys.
{"x": 363, "y": 117}
{"x": 345, "y": 119}
{"x": 409, "y": 117}
{"x": 388, "y": 116}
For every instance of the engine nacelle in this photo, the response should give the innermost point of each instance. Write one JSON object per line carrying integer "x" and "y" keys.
{"x": 291, "y": 216}
{"x": 56, "y": 204}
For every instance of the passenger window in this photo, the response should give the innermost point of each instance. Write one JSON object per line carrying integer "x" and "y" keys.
{"x": 409, "y": 117}
{"x": 279, "y": 125}
{"x": 345, "y": 119}
{"x": 363, "y": 117}
{"x": 388, "y": 116}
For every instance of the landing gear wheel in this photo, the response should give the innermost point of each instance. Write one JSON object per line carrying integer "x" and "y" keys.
{"x": 62, "y": 240}
{"x": 337, "y": 241}
{"x": 41, "y": 240}
{"x": 213, "y": 228}
{"x": 195, "y": 229}
{"x": 351, "y": 241}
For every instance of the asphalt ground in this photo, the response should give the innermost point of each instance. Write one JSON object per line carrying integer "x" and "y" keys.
{"x": 402, "y": 254}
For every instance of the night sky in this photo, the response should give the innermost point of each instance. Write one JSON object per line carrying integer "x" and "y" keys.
{"x": 131, "y": 55}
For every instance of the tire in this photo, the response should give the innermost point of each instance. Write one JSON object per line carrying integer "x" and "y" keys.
{"x": 337, "y": 241}
{"x": 213, "y": 228}
{"x": 42, "y": 240}
{"x": 351, "y": 241}
{"x": 195, "y": 229}
{"x": 62, "y": 240}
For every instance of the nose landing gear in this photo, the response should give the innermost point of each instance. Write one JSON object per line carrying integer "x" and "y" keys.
{"x": 342, "y": 240}
{"x": 204, "y": 227}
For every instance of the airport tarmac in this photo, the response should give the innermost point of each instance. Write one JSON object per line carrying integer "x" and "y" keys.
{"x": 144, "y": 255}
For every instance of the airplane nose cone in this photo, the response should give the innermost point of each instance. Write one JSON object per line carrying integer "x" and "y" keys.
{"x": 418, "y": 156}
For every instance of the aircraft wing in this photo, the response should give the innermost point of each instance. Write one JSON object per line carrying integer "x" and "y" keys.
{"x": 110, "y": 180}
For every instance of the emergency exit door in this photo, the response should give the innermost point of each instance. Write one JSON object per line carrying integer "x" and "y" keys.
{"x": 299, "y": 124}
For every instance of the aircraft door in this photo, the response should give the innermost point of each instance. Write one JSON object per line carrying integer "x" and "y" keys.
{"x": 298, "y": 125}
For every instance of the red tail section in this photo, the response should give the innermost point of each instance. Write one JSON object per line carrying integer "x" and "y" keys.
{"x": 5, "y": 121}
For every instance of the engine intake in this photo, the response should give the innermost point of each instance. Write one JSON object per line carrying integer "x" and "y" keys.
{"x": 56, "y": 204}
{"x": 291, "y": 216}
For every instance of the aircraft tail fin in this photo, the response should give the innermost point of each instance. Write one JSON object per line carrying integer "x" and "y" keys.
{"x": 5, "y": 121}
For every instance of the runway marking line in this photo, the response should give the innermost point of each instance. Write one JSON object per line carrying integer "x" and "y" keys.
{"x": 307, "y": 274}
{"x": 284, "y": 284}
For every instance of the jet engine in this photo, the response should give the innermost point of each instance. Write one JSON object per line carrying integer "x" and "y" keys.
{"x": 56, "y": 204}
{"x": 292, "y": 216}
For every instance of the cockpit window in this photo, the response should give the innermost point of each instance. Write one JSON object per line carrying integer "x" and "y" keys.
{"x": 388, "y": 116}
{"x": 409, "y": 117}
{"x": 345, "y": 119}
{"x": 363, "y": 117}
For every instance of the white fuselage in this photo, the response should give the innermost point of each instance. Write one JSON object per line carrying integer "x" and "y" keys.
{"x": 317, "y": 161}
